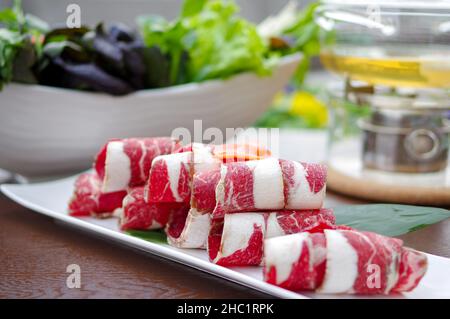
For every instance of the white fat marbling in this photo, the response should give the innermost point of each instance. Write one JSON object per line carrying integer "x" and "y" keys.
{"x": 220, "y": 188}
{"x": 414, "y": 262}
{"x": 282, "y": 253}
{"x": 117, "y": 168}
{"x": 195, "y": 231}
{"x": 237, "y": 230}
{"x": 392, "y": 271}
{"x": 174, "y": 162}
{"x": 300, "y": 195}
{"x": 204, "y": 159}
{"x": 127, "y": 200}
{"x": 154, "y": 225}
{"x": 267, "y": 184}
{"x": 273, "y": 228}
{"x": 342, "y": 264}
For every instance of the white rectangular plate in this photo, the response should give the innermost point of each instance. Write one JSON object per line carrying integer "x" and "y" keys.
{"x": 51, "y": 198}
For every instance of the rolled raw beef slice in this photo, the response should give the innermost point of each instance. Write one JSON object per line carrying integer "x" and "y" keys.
{"x": 204, "y": 165}
{"x": 269, "y": 184}
{"x": 413, "y": 266}
{"x": 304, "y": 184}
{"x": 88, "y": 200}
{"x": 362, "y": 249}
{"x": 126, "y": 162}
{"x": 294, "y": 221}
{"x": 342, "y": 261}
{"x": 189, "y": 231}
{"x": 137, "y": 214}
{"x": 84, "y": 201}
{"x": 236, "y": 240}
{"x": 177, "y": 222}
{"x": 249, "y": 186}
{"x": 171, "y": 175}
{"x": 170, "y": 179}
{"x": 194, "y": 233}
{"x": 204, "y": 190}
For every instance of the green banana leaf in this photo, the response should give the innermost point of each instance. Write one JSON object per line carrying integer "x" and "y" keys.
{"x": 389, "y": 219}
{"x": 154, "y": 236}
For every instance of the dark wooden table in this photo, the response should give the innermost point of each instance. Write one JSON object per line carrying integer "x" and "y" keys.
{"x": 35, "y": 251}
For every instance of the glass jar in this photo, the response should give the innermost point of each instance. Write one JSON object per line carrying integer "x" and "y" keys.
{"x": 392, "y": 43}
{"x": 391, "y": 131}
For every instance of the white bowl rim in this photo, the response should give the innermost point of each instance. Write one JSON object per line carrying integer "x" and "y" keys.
{"x": 172, "y": 90}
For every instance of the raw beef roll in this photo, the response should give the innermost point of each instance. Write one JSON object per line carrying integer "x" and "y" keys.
{"x": 413, "y": 266}
{"x": 171, "y": 175}
{"x": 238, "y": 239}
{"x": 136, "y": 213}
{"x": 304, "y": 184}
{"x": 269, "y": 184}
{"x": 88, "y": 200}
{"x": 126, "y": 162}
{"x": 193, "y": 228}
{"x": 342, "y": 261}
{"x": 170, "y": 179}
{"x": 191, "y": 177}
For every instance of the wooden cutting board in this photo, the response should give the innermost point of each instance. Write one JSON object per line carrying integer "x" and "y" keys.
{"x": 399, "y": 188}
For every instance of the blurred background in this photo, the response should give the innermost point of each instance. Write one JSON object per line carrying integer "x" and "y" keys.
{"x": 54, "y": 11}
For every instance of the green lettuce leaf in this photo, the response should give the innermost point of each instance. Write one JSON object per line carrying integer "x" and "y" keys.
{"x": 20, "y": 44}
{"x": 10, "y": 42}
{"x": 192, "y": 7}
{"x": 208, "y": 41}
{"x": 16, "y": 20}
{"x": 221, "y": 44}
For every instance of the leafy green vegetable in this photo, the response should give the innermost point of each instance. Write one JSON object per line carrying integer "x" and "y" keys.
{"x": 217, "y": 42}
{"x": 192, "y": 7}
{"x": 209, "y": 40}
{"x": 10, "y": 42}
{"x": 304, "y": 35}
{"x": 157, "y": 32}
{"x": 16, "y": 20}
{"x": 389, "y": 219}
{"x": 154, "y": 236}
{"x": 221, "y": 44}
{"x": 20, "y": 44}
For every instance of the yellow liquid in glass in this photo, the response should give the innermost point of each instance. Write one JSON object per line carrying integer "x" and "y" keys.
{"x": 417, "y": 72}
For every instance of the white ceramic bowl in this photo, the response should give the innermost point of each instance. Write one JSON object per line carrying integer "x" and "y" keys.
{"x": 46, "y": 130}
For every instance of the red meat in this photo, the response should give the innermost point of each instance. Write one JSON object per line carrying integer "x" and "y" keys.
{"x": 138, "y": 214}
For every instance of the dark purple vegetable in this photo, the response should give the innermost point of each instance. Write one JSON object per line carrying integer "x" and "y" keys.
{"x": 94, "y": 77}
{"x": 121, "y": 32}
{"x": 116, "y": 62}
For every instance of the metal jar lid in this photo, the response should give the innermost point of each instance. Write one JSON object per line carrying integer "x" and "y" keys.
{"x": 421, "y": 138}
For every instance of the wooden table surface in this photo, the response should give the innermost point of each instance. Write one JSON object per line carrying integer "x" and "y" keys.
{"x": 35, "y": 251}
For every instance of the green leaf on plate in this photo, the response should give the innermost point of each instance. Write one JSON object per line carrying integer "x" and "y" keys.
{"x": 154, "y": 236}
{"x": 389, "y": 219}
